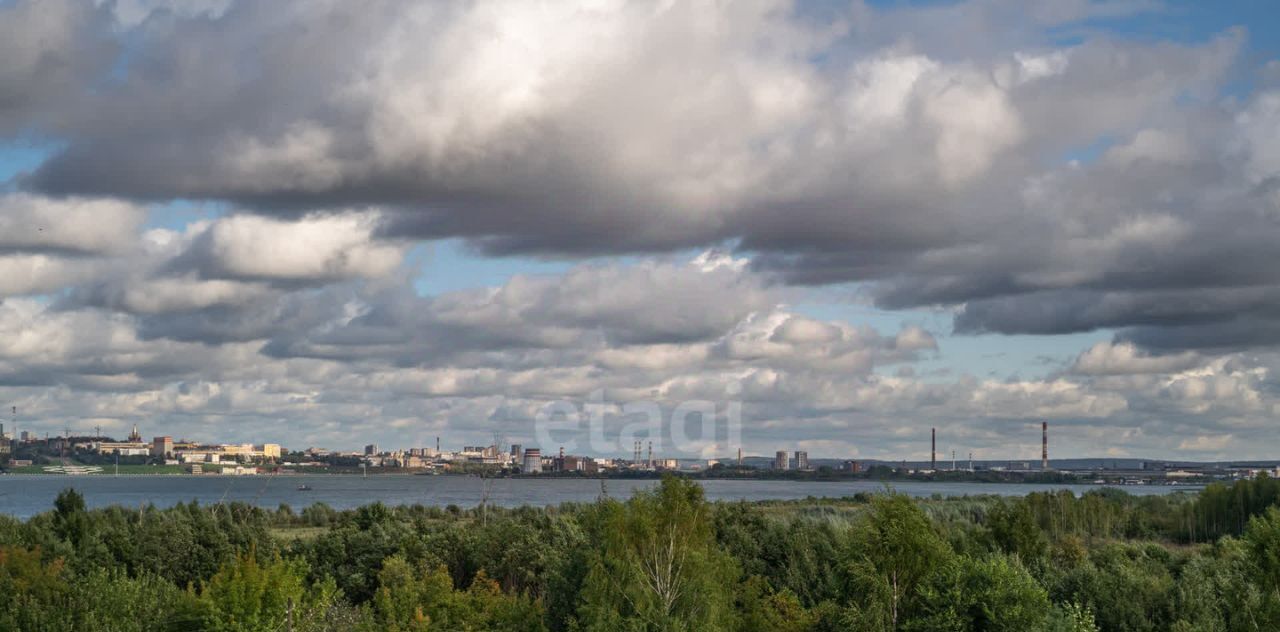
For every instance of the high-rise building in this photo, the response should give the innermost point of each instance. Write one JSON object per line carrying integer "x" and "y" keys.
{"x": 780, "y": 460}
{"x": 517, "y": 451}
{"x": 802, "y": 460}
{"x": 532, "y": 461}
{"x": 371, "y": 449}
{"x": 162, "y": 447}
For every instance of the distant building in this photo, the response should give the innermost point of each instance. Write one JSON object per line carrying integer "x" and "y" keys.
{"x": 199, "y": 456}
{"x": 852, "y": 466}
{"x": 780, "y": 460}
{"x": 162, "y": 446}
{"x": 802, "y": 460}
{"x": 121, "y": 448}
{"x": 532, "y": 461}
{"x": 517, "y": 451}
{"x": 135, "y": 436}
{"x": 190, "y": 453}
{"x": 371, "y": 449}
{"x": 26, "y": 436}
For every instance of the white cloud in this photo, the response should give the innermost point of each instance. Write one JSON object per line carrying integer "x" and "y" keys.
{"x": 78, "y": 225}
{"x": 919, "y": 151}
{"x": 1106, "y": 358}
{"x": 321, "y": 247}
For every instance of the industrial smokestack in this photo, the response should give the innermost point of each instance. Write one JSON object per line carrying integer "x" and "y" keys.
{"x": 1044, "y": 446}
{"x": 933, "y": 448}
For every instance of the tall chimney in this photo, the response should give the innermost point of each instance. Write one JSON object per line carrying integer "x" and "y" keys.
{"x": 933, "y": 448}
{"x": 739, "y": 456}
{"x": 650, "y": 456}
{"x": 1044, "y": 446}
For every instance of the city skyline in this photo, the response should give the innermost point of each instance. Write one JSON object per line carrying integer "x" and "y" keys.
{"x": 833, "y": 225}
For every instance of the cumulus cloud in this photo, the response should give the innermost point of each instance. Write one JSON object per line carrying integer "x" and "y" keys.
{"x": 53, "y": 52}
{"x": 87, "y": 226}
{"x": 313, "y": 248}
{"x": 956, "y": 156}
{"x": 1107, "y": 358}
{"x": 38, "y": 274}
{"x": 896, "y": 160}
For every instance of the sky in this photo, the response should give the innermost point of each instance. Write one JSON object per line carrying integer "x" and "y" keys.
{"x": 839, "y": 224}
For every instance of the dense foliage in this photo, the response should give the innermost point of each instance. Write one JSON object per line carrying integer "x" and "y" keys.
{"x": 664, "y": 560}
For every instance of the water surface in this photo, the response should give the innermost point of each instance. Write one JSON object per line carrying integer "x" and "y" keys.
{"x": 23, "y": 496}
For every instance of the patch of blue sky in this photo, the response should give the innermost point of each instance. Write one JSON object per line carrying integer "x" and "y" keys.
{"x": 1184, "y": 21}
{"x": 1196, "y": 21}
{"x": 450, "y": 265}
{"x": 1004, "y": 357}
{"x": 985, "y": 356}
{"x": 22, "y": 156}
{"x": 177, "y": 215}
{"x": 1088, "y": 153}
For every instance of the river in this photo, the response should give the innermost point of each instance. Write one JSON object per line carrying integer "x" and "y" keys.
{"x": 23, "y": 496}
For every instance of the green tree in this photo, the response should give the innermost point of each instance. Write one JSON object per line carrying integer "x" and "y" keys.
{"x": 70, "y": 521}
{"x": 659, "y": 567}
{"x": 249, "y": 596}
{"x": 1014, "y": 529}
{"x": 995, "y": 594}
{"x": 1071, "y": 617}
{"x": 32, "y": 593}
{"x": 891, "y": 553}
{"x": 417, "y": 599}
{"x": 760, "y": 608}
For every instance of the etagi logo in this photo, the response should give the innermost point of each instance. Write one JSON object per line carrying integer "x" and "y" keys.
{"x": 693, "y": 428}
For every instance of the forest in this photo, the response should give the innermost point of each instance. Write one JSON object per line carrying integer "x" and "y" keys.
{"x": 663, "y": 560}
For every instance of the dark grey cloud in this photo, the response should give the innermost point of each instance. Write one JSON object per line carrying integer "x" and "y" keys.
{"x": 953, "y": 156}
{"x": 933, "y": 172}
{"x": 54, "y": 53}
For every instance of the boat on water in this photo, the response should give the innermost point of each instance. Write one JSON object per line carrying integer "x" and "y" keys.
{"x": 304, "y": 488}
